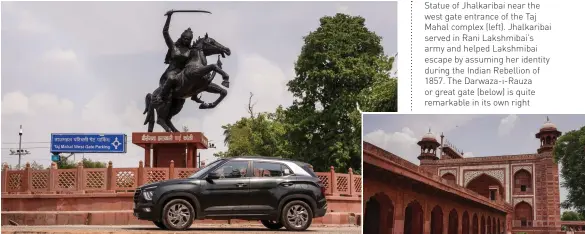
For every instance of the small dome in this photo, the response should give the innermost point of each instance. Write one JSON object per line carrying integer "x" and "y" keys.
{"x": 548, "y": 126}
{"x": 429, "y": 136}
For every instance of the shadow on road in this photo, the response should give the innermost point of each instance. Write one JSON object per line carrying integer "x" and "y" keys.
{"x": 222, "y": 229}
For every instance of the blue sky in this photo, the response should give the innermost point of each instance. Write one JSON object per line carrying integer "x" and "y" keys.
{"x": 87, "y": 66}
{"x": 475, "y": 135}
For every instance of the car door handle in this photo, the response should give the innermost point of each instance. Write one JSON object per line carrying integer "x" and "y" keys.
{"x": 240, "y": 185}
{"x": 286, "y": 184}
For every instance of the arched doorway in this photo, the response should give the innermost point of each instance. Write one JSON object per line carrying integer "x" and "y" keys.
{"x": 437, "y": 220}
{"x": 372, "y": 216}
{"x": 489, "y": 225}
{"x": 379, "y": 214}
{"x": 465, "y": 223}
{"x": 482, "y": 183}
{"x": 523, "y": 213}
{"x": 453, "y": 222}
{"x": 475, "y": 225}
{"x": 494, "y": 225}
{"x": 522, "y": 182}
{"x": 482, "y": 226}
{"x": 413, "y": 218}
{"x": 449, "y": 177}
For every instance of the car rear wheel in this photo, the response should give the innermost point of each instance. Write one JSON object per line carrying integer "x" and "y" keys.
{"x": 271, "y": 224}
{"x": 296, "y": 216}
{"x": 178, "y": 214}
{"x": 160, "y": 225}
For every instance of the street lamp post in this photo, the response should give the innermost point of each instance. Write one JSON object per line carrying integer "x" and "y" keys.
{"x": 19, "y": 145}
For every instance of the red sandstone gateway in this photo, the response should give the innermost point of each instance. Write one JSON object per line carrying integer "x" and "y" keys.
{"x": 449, "y": 193}
{"x": 276, "y": 191}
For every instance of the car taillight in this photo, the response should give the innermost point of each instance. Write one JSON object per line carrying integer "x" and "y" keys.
{"x": 322, "y": 189}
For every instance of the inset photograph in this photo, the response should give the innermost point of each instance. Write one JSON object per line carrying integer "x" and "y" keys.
{"x": 473, "y": 173}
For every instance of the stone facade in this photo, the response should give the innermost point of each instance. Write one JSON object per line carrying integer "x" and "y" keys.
{"x": 400, "y": 197}
{"x": 530, "y": 182}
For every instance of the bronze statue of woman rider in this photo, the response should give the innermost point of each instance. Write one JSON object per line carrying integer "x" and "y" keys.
{"x": 177, "y": 55}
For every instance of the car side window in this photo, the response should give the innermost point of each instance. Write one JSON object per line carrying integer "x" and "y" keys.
{"x": 233, "y": 169}
{"x": 269, "y": 169}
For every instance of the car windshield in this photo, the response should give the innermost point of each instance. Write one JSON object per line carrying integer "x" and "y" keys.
{"x": 205, "y": 169}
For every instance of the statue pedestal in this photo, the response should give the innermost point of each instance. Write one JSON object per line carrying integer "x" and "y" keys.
{"x": 181, "y": 147}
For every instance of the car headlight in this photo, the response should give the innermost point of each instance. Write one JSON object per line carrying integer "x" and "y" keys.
{"x": 148, "y": 193}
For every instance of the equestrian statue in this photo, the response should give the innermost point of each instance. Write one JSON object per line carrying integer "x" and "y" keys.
{"x": 186, "y": 76}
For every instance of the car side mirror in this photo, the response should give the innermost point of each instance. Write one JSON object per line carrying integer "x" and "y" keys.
{"x": 212, "y": 176}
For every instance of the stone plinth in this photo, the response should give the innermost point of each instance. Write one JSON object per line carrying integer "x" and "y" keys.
{"x": 181, "y": 147}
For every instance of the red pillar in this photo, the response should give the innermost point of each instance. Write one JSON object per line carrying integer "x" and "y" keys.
{"x": 147, "y": 155}
{"x": 189, "y": 157}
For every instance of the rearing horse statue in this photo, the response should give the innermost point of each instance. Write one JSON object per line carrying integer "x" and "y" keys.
{"x": 195, "y": 78}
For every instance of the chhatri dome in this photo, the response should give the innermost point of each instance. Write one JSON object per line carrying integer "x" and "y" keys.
{"x": 428, "y": 147}
{"x": 548, "y": 125}
{"x": 429, "y": 136}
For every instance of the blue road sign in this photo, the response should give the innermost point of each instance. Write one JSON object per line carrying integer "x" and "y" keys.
{"x": 88, "y": 143}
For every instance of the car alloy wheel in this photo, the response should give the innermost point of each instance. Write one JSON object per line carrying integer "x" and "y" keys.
{"x": 297, "y": 216}
{"x": 178, "y": 214}
{"x": 271, "y": 224}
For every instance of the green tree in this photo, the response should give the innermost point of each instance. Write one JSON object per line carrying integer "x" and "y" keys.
{"x": 34, "y": 165}
{"x": 87, "y": 163}
{"x": 571, "y": 216}
{"x": 382, "y": 95}
{"x": 569, "y": 150}
{"x": 260, "y": 134}
{"x": 341, "y": 64}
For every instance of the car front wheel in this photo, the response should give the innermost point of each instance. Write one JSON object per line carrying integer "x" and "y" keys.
{"x": 178, "y": 214}
{"x": 296, "y": 216}
{"x": 270, "y": 224}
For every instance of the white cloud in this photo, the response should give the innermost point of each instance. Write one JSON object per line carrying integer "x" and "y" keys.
{"x": 39, "y": 103}
{"x": 25, "y": 20}
{"x": 15, "y": 103}
{"x": 507, "y": 124}
{"x": 401, "y": 143}
{"x": 60, "y": 55}
{"x": 343, "y": 9}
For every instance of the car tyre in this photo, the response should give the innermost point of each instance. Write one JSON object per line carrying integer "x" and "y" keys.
{"x": 296, "y": 216}
{"x": 178, "y": 214}
{"x": 270, "y": 224}
{"x": 160, "y": 225}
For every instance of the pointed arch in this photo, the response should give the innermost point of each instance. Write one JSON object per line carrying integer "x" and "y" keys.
{"x": 523, "y": 181}
{"x": 449, "y": 177}
{"x": 413, "y": 218}
{"x": 453, "y": 222}
{"x": 481, "y": 184}
{"x": 523, "y": 214}
{"x": 437, "y": 220}
{"x": 465, "y": 223}
{"x": 379, "y": 216}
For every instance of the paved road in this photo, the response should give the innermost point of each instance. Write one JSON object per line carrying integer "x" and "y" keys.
{"x": 199, "y": 228}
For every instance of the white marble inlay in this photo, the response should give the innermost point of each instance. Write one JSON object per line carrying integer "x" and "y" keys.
{"x": 525, "y": 167}
{"x": 523, "y": 199}
{"x": 497, "y": 174}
